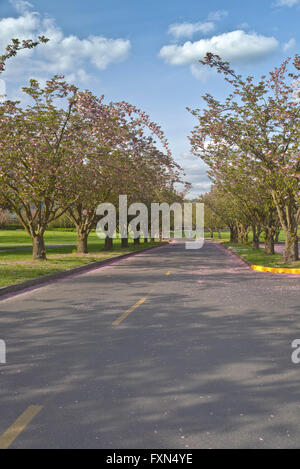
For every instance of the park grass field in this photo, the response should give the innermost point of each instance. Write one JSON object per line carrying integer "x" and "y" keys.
{"x": 258, "y": 256}
{"x": 255, "y": 256}
{"x": 21, "y": 238}
{"x": 16, "y": 264}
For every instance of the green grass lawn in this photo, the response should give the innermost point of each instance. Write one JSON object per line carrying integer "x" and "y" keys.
{"x": 16, "y": 265}
{"x": 225, "y": 235}
{"x": 21, "y": 238}
{"x": 258, "y": 257}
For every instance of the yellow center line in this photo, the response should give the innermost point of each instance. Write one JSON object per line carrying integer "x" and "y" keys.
{"x": 124, "y": 315}
{"x": 141, "y": 301}
{"x": 9, "y": 436}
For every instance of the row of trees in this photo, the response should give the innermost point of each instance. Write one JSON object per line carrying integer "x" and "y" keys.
{"x": 251, "y": 144}
{"x": 67, "y": 151}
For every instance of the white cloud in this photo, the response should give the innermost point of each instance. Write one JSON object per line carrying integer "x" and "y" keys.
{"x": 80, "y": 75}
{"x": 286, "y": 3}
{"x": 235, "y": 46}
{"x": 217, "y": 15}
{"x": 62, "y": 54}
{"x": 289, "y": 45}
{"x": 21, "y": 5}
{"x": 189, "y": 29}
{"x": 196, "y": 173}
{"x": 201, "y": 187}
{"x": 22, "y": 27}
{"x": 2, "y": 91}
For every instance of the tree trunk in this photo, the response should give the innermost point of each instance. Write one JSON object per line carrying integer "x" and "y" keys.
{"x": 233, "y": 234}
{"x": 124, "y": 242}
{"x": 211, "y": 233}
{"x": 82, "y": 242}
{"x": 219, "y": 234}
{"x": 255, "y": 242}
{"x": 242, "y": 234}
{"x": 269, "y": 241}
{"x": 276, "y": 236}
{"x": 108, "y": 245}
{"x": 258, "y": 233}
{"x": 136, "y": 241}
{"x": 245, "y": 237}
{"x": 38, "y": 248}
{"x": 239, "y": 235}
{"x": 145, "y": 240}
{"x": 290, "y": 253}
{"x": 152, "y": 240}
{"x": 289, "y": 222}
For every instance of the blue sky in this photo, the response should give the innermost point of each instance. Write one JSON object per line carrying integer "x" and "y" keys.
{"x": 146, "y": 52}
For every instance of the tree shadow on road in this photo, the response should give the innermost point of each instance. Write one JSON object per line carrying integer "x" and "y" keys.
{"x": 204, "y": 362}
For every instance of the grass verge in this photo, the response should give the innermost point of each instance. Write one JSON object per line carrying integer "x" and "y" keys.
{"x": 258, "y": 256}
{"x": 16, "y": 264}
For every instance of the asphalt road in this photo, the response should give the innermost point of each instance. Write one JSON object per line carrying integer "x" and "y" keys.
{"x": 203, "y": 361}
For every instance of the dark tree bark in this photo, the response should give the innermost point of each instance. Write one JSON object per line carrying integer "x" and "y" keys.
{"x": 290, "y": 253}
{"x": 124, "y": 242}
{"x": 38, "y": 248}
{"x": 269, "y": 241}
{"x": 82, "y": 242}
{"x": 242, "y": 234}
{"x": 233, "y": 234}
{"x": 289, "y": 216}
{"x": 256, "y": 233}
{"x": 108, "y": 245}
{"x": 84, "y": 225}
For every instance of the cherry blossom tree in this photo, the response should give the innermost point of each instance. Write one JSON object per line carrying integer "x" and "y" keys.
{"x": 220, "y": 202}
{"x": 249, "y": 192}
{"x": 38, "y": 161}
{"x": 11, "y": 51}
{"x": 17, "y": 45}
{"x": 119, "y": 158}
{"x": 261, "y": 121}
{"x": 4, "y": 217}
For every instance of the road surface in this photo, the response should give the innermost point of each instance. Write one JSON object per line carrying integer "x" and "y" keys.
{"x": 171, "y": 348}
